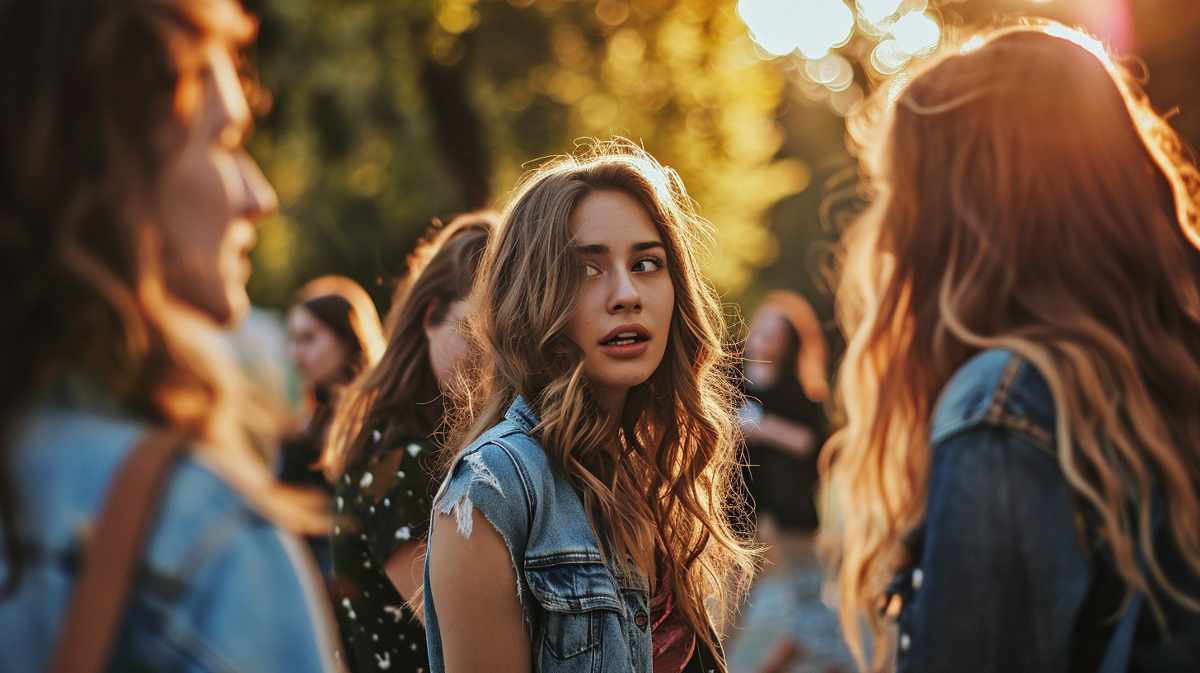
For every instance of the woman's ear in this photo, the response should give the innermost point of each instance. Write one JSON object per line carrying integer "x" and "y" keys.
{"x": 428, "y": 323}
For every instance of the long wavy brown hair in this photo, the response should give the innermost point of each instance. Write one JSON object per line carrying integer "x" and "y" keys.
{"x": 658, "y": 481}
{"x": 1027, "y": 197}
{"x": 96, "y": 98}
{"x": 401, "y": 394}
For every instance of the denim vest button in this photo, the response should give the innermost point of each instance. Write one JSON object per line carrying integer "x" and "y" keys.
{"x": 640, "y": 619}
{"x": 918, "y": 578}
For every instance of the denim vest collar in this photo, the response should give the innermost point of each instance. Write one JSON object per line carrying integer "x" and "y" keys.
{"x": 521, "y": 415}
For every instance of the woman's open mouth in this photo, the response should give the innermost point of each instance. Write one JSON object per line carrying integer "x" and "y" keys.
{"x": 626, "y": 342}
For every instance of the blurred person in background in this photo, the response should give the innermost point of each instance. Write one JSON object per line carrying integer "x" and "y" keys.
{"x": 582, "y": 525}
{"x": 785, "y": 368}
{"x": 127, "y": 208}
{"x": 1018, "y": 481}
{"x": 336, "y": 336}
{"x": 785, "y": 362}
{"x": 382, "y": 453}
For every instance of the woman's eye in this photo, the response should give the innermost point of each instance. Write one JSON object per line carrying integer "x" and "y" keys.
{"x": 648, "y": 264}
{"x": 590, "y": 270}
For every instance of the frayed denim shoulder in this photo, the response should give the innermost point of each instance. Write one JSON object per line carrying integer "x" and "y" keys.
{"x": 455, "y": 498}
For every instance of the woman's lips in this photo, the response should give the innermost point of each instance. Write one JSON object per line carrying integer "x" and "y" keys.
{"x": 625, "y": 351}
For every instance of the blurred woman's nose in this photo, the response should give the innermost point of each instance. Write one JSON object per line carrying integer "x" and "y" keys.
{"x": 261, "y": 201}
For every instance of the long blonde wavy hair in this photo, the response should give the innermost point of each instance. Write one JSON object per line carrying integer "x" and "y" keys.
{"x": 1025, "y": 196}
{"x": 660, "y": 483}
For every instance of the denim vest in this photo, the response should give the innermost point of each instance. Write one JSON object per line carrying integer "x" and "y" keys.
{"x": 220, "y": 590}
{"x": 1001, "y": 578}
{"x": 584, "y": 615}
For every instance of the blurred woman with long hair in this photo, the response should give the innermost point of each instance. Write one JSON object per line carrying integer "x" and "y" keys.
{"x": 382, "y": 452}
{"x": 336, "y": 336}
{"x": 127, "y": 208}
{"x": 583, "y": 524}
{"x": 1021, "y": 458}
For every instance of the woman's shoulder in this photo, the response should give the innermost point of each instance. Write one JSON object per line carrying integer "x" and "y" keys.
{"x": 996, "y": 388}
{"x": 211, "y": 561}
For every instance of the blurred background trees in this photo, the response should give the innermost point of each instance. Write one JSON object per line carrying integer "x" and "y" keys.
{"x": 385, "y": 114}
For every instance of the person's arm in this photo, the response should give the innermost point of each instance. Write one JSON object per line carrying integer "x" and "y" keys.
{"x": 775, "y": 430}
{"x": 405, "y": 568}
{"x": 1001, "y": 576}
{"x": 474, "y": 586}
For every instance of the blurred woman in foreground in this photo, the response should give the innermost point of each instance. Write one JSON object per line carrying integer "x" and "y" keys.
{"x": 127, "y": 208}
{"x": 382, "y": 453}
{"x": 1022, "y": 382}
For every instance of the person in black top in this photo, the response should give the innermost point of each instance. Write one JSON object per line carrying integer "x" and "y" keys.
{"x": 785, "y": 362}
{"x": 335, "y": 337}
{"x": 381, "y": 454}
{"x": 785, "y": 359}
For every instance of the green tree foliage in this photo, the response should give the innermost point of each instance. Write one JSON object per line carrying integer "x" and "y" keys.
{"x": 388, "y": 114}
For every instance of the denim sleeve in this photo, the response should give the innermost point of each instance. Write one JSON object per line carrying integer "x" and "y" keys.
{"x": 1001, "y": 576}
{"x": 487, "y": 478}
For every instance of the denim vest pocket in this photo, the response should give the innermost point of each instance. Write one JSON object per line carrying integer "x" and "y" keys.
{"x": 578, "y": 596}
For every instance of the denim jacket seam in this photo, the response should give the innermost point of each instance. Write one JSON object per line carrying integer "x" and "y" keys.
{"x": 998, "y": 414}
{"x": 528, "y": 490}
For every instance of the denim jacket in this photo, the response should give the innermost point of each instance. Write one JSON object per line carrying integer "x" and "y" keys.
{"x": 1002, "y": 578}
{"x": 221, "y": 590}
{"x": 584, "y": 616}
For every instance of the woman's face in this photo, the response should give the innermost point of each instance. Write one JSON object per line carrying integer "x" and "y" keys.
{"x": 209, "y": 198}
{"x": 446, "y": 343}
{"x": 623, "y": 319}
{"x": 320, "y": 355}
{"x": 768, "y": 340}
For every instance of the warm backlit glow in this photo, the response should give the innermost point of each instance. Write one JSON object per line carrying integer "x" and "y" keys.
{"x": 811, "y": 26}
{"x": 916, "y": 32}
{"x": 876, "y": 11}
{"x": 773, "y": 24}
{"x": 972, "y": 44}
{"x": 889, "y": 58}
{"x": 1080, "y": 38}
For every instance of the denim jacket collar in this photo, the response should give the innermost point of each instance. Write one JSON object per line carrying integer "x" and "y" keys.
{"x": 521, "y": 415}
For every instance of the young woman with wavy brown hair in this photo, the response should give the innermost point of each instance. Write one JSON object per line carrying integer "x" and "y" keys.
{"x": 1021, "y": 454}
{"x": 382, "y": 453}
{"x": 583, "y": 524}
{"x": 127, "y": 208}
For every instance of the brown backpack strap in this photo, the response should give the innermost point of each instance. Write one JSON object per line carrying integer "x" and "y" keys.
{"x": 113, "y": 556}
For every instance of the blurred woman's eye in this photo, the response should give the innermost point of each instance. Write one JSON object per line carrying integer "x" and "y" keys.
{"x": 590, "y": 270}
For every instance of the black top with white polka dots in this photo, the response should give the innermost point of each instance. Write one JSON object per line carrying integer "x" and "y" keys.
{"x": 381, "y": 502}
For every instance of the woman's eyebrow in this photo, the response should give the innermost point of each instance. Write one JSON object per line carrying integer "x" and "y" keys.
{"x": 601, "y": 249}
{"x": 647, "y": 245}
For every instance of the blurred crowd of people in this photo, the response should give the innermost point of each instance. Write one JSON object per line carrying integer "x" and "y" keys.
{"x": 555, "y": 453}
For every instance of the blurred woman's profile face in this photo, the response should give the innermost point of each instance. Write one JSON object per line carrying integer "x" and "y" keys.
{"x": 320, "y": 355}
{"x": 209, "y": 198}
{"x": 447, "y": 345}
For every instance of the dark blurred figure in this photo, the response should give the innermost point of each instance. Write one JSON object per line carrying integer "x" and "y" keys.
{"x": 382, "y": 452}
{"x": 127, "y": 208}
{"x": 785, "y": 367}
{"x": 1018, "y": 480}
{"x": 336, "y": 336}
